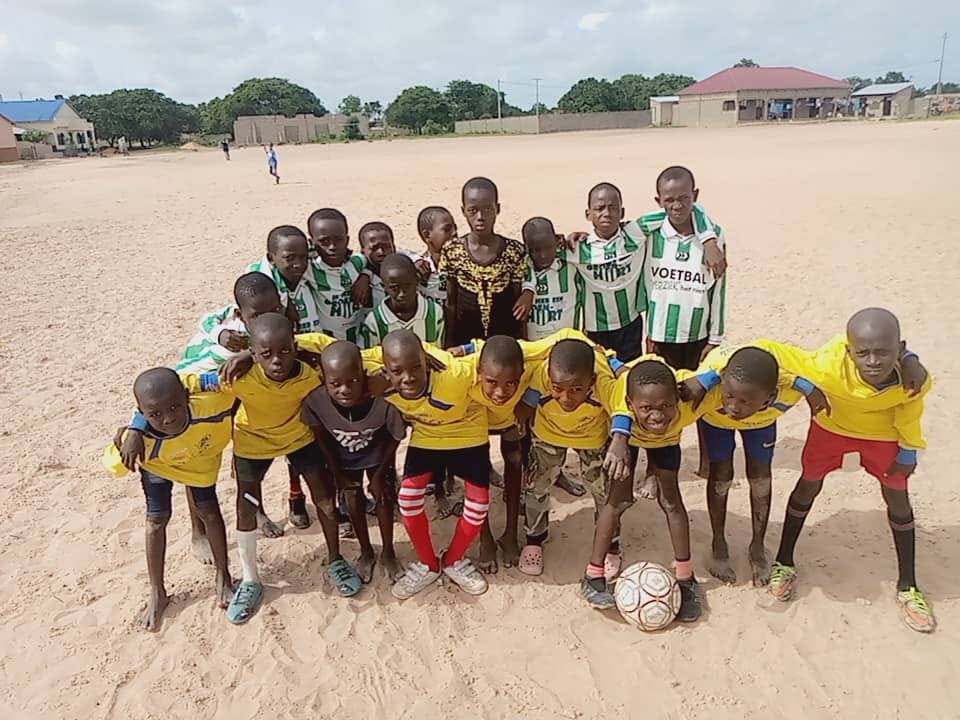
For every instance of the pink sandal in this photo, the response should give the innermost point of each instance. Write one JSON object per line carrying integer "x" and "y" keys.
{"x": 611, "y": 566}
{"x": 531, "y": 560}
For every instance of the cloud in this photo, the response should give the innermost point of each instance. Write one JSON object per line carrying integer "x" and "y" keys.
{"x": 591, "y": 21}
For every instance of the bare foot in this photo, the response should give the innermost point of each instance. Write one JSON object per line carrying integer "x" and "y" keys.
{"x": 200, "y": 547}
{"x": 150, "y": 617}
{"x": 391, "y": 566}
{"x": 760, "y": 566}
{"x": 647, "y": 487}
{"x": 719, "y": 565}
{"x": 510, "y": 549}
{"x": 225, "y": 590}
{"x": 496, "y": 479}
{"x": 364, "y": 566}
{"x": 268, "y": 528}
{"x": 488, "y": 556}
{"x": 572, "y": 487}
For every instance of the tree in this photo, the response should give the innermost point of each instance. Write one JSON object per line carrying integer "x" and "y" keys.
{"x": 592, "y": 95}
{"x": 636, "y": 90}
{"x": 857, "y": 83}
{"x": 35, "y": 136}
{"x": 351, "y": 130}
{"x": 372, "y": 110}
{"x": 893, "y": 76}
{"x": 416, "y": 106}
{"x": 745, "y": 62}
{"x": 258, "y": 96}
{"x": 542, "y": 108}
{"x": 472, "y": 101}
{"x": 350, "y": 105}
{"x": 948, "y": 88}
{"x": 142, "y": 114}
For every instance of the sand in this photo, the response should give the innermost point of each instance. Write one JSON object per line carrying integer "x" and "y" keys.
{"x": 109, "y": 263}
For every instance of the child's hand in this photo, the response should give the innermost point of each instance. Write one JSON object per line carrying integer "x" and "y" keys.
{"x": 901, "y": 469}
{"x": 818, "y": 402}
{"x": 423, "y": 270}
{"x": 651, "y": 346}
{"x": 715, "y": 258}
{"x": 574, "y": 238}
{"x": 457, "y": 351}
{"x": 690, "y": 390}
{"x": 233, "y": 341}
{"x": 912, "y": 374}
{"x": 132, "y": 450}
{"x": 521, "y": 309}
{"x": 236, "y": 367}
{"x": 362, "y": 293}
{"x": 310, "y": 358}
{"x": 523, "y": 414}
{"x": 616, "y": 463}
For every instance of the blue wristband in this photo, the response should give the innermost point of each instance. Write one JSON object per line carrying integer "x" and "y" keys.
{"x": 139, "y": 422}
{"x": 622, "y": 424}
{"x": 615, "y": 364}
{"x": 709, "y": 379}
{"x": 907, "y": 456}
{"x": 804, "y": 386}
{"x": 209, "y": 381}
{"x": 531, "y": 397}
{"x": 909, "y": 354}
{"x": 469, "y": 348}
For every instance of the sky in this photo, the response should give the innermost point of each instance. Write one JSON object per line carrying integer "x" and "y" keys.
{"x": 193, "y": 50}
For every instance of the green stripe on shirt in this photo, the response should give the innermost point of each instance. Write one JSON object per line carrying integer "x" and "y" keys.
{"x": 673, "y": 316}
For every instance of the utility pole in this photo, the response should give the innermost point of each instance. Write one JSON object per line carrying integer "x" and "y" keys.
{"x": 537, "y": 104}
{"x": 943, "y": 50}
{"x": 499, "y": 111}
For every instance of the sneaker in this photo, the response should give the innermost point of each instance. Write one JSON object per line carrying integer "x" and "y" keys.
{"x": 417, "y": 577}
{"x": 690, "y": 607}
{"x": 466, "y": 577}
{"x": 916, "y": 611}
{"x": 597, "y": 594}
{"x": 299, "y": 517}
{"x": 782, "y": 578}
{"x": 346, "y": 531}
{"x": 612, "y": 563}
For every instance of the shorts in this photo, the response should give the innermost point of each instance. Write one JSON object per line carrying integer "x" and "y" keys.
{"x": 307, "y": 458}
{"x": 470, "y": 464}
{"x": 824, "y": 450}
{"x": 665, "y": 458}
{"x": 758, "y": 444}
{"x": 627, "y": 342}
{"x": 158, "y": 492}
{"x": 353, "y": 480}
{"x": 681, "y": 356}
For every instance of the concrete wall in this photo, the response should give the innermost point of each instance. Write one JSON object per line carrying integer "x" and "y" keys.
{"x": 936, "y": 104}
{"x": 525, "y": 124}
{"x": 901, "y": 104}
{"x": 753, "y": 106}
{"x": 67, "y": 128}
{"x": 8, "y": 143}
{"x": 35, "y": 151}
{"x": 661, "y": 113}
{"x": 266, "y": 129}
{"x": 557, "y": 122}
{"x": 705, "y": 110}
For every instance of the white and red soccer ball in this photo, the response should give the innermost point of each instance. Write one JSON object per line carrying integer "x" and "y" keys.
{"x": 647, "y": 596}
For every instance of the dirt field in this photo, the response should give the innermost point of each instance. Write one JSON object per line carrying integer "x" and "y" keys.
{"x": 109, "y": 263}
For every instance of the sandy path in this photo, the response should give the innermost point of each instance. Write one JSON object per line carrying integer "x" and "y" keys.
{"x": 109, "y": 263}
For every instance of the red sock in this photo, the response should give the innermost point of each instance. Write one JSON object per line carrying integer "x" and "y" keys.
{"x": 594, "y": 571}
{"x": 296, "y": 491}
{"x": 410, "y": 500}
{"x": 476, "y": 503}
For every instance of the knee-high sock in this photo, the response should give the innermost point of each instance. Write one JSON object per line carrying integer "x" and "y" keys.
{"x": 476, "y": 504}
{"x": 410, "y": 500}
{"x": 904, "y": 539}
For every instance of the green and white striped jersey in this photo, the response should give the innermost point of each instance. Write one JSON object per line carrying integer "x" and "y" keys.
{"x": 339, "y": 316}
{"x": 304, "y": 296}
{"x": 609, "y": 279}
{"x": 557, "y": 304}
{"x": 204, "y": 353}
{"x": 435, "y": 286}
{"x": 685, "y": 303}
{"x": 426, "y": 323}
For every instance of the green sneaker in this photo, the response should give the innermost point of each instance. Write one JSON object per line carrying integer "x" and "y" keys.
{"x": 916, "y": 611}
{"x": 782, "y": 578}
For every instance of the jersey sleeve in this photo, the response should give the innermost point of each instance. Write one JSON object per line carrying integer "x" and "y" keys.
{"x": 211, "y": 324}
{"x": 369, "y": 332}
{"x": 907, "y": 419}
{"x": 717, "y": 322}
{"x": 309, "y": 412}
{"x": 703, "y": 226}
{"x": 530, "y": 278}
{"x": 314, "y": 342}
{"x": 612, "y": 393}
{"x": 393, "y": 423}
{"x": 197, "y": 383}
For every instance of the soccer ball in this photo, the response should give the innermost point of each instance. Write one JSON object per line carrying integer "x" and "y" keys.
{"x": 647, "y": 596}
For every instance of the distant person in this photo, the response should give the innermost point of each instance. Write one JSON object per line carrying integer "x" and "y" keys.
{"x": 225, "y": 146}
{"x": 272, "y": 162}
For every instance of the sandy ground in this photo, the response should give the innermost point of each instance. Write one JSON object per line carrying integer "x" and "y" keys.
{"x": 109, "y": 263}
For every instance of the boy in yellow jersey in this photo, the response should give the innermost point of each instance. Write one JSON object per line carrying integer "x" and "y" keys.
{"x": 449, "y": 433}
{"x": 184, "y": 441}
{"x": 875, "y": 415}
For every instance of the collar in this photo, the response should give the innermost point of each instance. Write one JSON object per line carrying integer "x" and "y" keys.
{"x": 594, "y": 239}
{"x": 669, "y": 231}
{"x": 391, "y": 317}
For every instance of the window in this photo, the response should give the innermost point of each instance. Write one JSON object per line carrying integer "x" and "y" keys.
{"x": 729, "y": 105}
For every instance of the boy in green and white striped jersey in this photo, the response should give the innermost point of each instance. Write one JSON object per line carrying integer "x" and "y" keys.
{"x": 405, "y": 308}
{"x": 557, "y": 304}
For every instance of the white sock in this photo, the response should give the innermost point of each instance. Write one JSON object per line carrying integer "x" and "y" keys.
{"x": 247, "y": 546}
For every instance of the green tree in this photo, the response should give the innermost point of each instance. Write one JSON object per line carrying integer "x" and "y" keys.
{"x": 141, "y": 114}
{"x": 258, "y": 96}
{"x": 893, "y": 76}
{"x": 416, "y": 106}
{"x": 351, "y": 129}
{"x": 592, "y": 95}
{"x": 351, "y": 105}
{"x": 857, "y": 83}
{"x": 637, "y": 90}
{"x": 948, "y": 88}
{"x": 472, "y": 101}
{"x": 745, "y": 62}
{"x": 538, "y": 106}
{"x": 35, "y": 136}
{"x": 372, "y": 110}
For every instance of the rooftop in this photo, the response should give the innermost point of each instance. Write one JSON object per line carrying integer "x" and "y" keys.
{"x": 882, "y": 89}
{"x": 762, "y": 78}
{"x": 26, "y": 111}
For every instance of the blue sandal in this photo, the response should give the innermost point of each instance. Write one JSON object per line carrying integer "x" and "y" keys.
{"x": 346, "y": 579}
{"x": 245, "y": 602}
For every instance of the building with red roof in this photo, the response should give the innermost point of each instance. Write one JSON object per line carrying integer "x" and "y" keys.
{"x": 758, "y": 94}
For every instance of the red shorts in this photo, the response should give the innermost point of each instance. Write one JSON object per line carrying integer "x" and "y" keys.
{"x": 823, "y": 453}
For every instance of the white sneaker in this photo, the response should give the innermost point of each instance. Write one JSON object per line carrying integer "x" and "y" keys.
{"x": 416, "y": 578}
{"x": 467, "y": 577}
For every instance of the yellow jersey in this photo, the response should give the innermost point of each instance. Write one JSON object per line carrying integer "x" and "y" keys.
{"x": 192, "y": 457}
{"x": 314, "y": 342}
{"x": 857, "y": 409}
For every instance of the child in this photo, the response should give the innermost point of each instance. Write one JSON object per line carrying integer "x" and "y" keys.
{"x": 225, "y": 147}
{"x": 357, "y": 435}
{"x": 485, "y": 272}
{"x": 185, "y": 439}
{"x": 873, "y": 414}
{"x": 336, "y": 272}
{"x": 376, "y": 242}
{"x": 287, "y": 263}
{"x": 556, "y": 303}
{"x": 404, "y": 307}
{"x": 436, "y": 228}
{"x": 449, "y": 433}
{"x": 272, "y": 162}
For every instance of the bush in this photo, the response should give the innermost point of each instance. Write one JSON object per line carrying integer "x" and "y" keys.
{"x": 432, "y": 127}
{"x": 351, "y": 131}
{"x": 35, "y": 136}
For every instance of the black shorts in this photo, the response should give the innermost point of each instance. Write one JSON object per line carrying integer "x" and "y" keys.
{"x": 665, "y": 458}
{"x": 627, "y": 342}
{"x": 353, "y": 480}
{"x": 470, "y": 464}
{"x": 304, "y": 460}
{"x": 681, "y": 356}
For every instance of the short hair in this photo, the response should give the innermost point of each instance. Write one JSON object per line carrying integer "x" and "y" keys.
{"x": 283, "y": 231}
{"x": 503, "y": 351}
{"x": 339, "y": 352}
{"x": 269, "y": 323}
{"x": 251, "y": 285}
{"x": 572, "y": 356}
{"x": 676, "y": 172}
{"x": 754, "y": 366}
{"x": 872, "y": 317}
{"x": 398, "y": 261}
{"x": 373, "y": 226}
{"x": 428, "y": 217}
{"x": 537, "y": 223}
{"x": 604, "y": 186}
{"x": 651, "y": 372}
{"x": 480, "y": 183}
{"x": 327, "y": 214}
{"x": 401, "y": 339}
{"x": 158, "y": 379}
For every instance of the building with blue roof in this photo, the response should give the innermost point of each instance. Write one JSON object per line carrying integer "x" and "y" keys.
{"x": 57, "y": 118}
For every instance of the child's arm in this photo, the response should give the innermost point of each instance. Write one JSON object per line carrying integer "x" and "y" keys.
{"x": 450, "y": 306}
{"x": 714, "y": 255}
{"x": 613, "y": 392}
{"x": 907, "y": 419}
{"x": 389, "y": 456}
{"x": 716, "y": 323}
{"x": 362, "y": 290}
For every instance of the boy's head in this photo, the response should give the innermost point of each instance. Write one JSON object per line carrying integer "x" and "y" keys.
{"x": 400, "y": 280}
{"x": 676, "y": 193}
{"x": 874, "y": 344}
{"x": 481, "y": 204}
{"x": 273, "y": 346}
{"x": 405, "y": 363}
{"x": 288, "y": 251}
{"x": 652, "y": 395}
{"x": 500, "y": 368}
{"x": 343, "y": 373}
{"x": 436, "y": 227}
{"x": 571, "y": 372}
{"x": 163, "y": 400}
{"x": 540, "y": 239}
{"x": 749, "y": 382}
{"x": 328, "y": 231}
{"x": 605, "y": 209}
{"x": 256, "y": 294}
{"x": 376, "y": 242}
